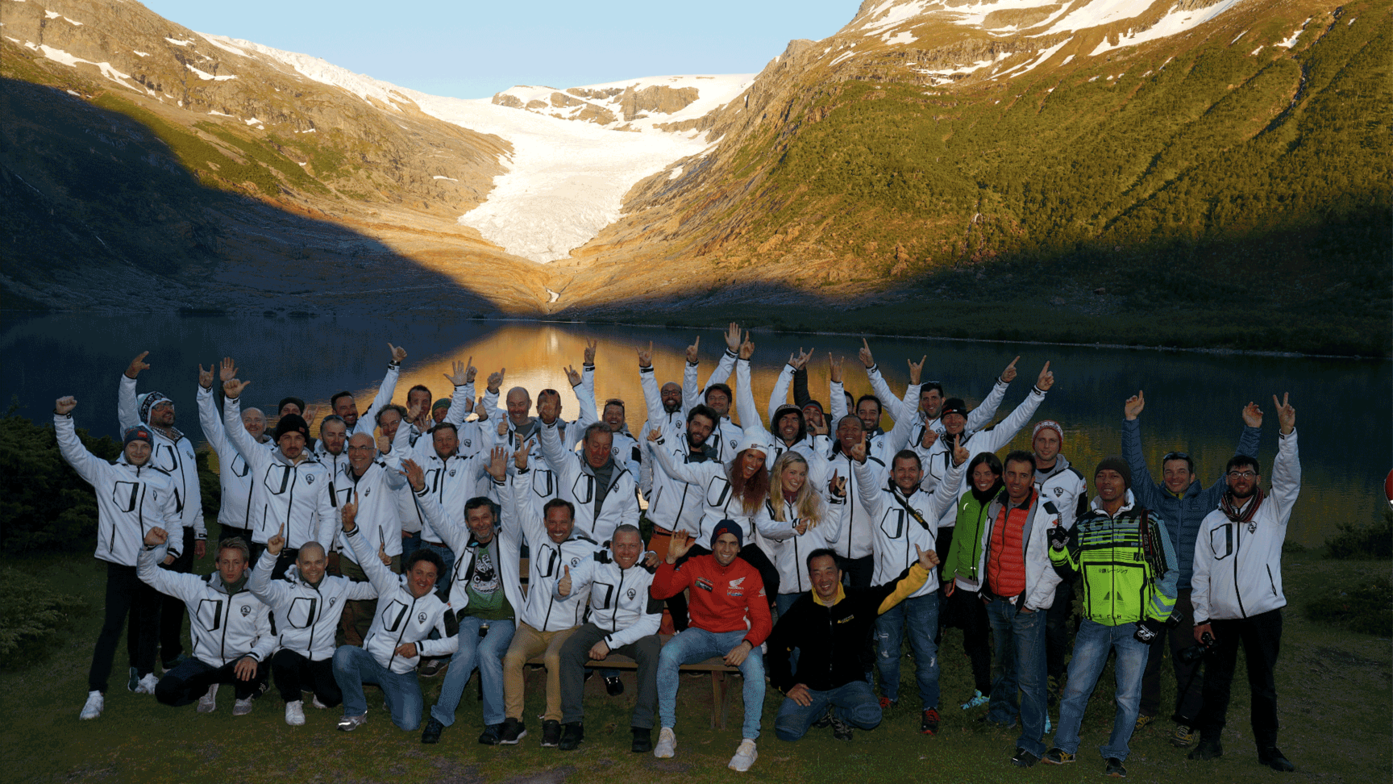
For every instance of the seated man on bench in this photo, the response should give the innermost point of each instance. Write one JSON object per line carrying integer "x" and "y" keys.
{"x": 624, "y": 620}
{"x": 725, "y": 590}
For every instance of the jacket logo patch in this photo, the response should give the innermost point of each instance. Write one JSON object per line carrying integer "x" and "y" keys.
{"x": 575, "y": 561}
{"x": 704, "y": 584}
{"x": 367, "y": 492}
{"x": 309, "y": 480}
{"x": 421, "y": 618}
{"x": 737, "y": 582}
{"x": 333, "y": 600}
{"x": 632, "y": 594}
{"x": 246, "y": 610}
{"x": 452, "y": 472}
{"x": 1058, "y": 491}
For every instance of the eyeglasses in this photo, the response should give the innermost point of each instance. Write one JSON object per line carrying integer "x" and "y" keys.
{"x": 1242, "y": 474}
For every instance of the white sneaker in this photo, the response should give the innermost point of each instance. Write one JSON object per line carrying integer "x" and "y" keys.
{"x": 745, "y": 756}
{"x": 147, "y": 684}
{"x": 209, "y": 702}
{"x": 667, "y": 744}
{"x": 314, "y": 701}
{"x": 242, "y": 707}
{"x": 93, "y": 708}
{"x": 295, "y": 713}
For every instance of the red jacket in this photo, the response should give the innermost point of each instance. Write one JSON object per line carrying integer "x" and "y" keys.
{"x": 720, "y": 597}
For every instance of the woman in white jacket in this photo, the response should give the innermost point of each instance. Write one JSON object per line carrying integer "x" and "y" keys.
{"x": 797, "y": 521}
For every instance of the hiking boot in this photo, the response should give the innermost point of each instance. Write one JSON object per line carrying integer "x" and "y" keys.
{"x": 1272, "y": 757}
{"x": 431, "y": 734}
{"x": 643, "y": 740}
{"x": 571, "y": 736}
{"x": 512, "y": 732}
{"x": 1023, "y": 758}
{"x": 94, "y": 705}
{"x": 1183, "y": 736}
{"x": 978, "y": 700}
{"x": 147, "y": 684}
{"x": 745, "y": 756}
{"x": 351, "y": 723}
{"x": 841, "y": 730}
{"x": 826, "y": 720}
{"x": 1142, "y": 721}
{"x": 209, "y": 701}
{"x": 433, "y": 666}
{"x": 1057, "y": 756}
{"x": 491, "y": 735}
{"x": 929, "y": 724}
{"x": 551, "y": 734}
{"x": 667, "y": 744}
{"x": 1113, "y": 767}
{"x": 1208, "y": 749}
{"x": 613, "y": 686}
{"x": 242, "y": 707}
{"x": 295, "y": 713}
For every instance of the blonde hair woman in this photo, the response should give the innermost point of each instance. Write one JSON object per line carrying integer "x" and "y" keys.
{"x": 796, "y": 521}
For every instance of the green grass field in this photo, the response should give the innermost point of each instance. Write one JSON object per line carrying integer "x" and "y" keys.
{"x": 1334, "y": 695}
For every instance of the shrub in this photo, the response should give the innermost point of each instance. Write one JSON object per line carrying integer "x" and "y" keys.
{"x": 1363, "y": 542}
{"x": 44, "y": 504}
{"x": 1365, "y": 607}
{"x": 29, "y": 612}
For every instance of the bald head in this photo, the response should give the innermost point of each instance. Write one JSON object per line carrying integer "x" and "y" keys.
{"x": 310, "y": 550}
{"x": 519, "y": 403}
{"x": 361, "y": 452}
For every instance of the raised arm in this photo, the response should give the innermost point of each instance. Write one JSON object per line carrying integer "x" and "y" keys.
{"x": 691, "y": 473}
{"x": 745, "y": 396}
{"x": 898, "y": 410}
{"x": 1143, "y": 486}
{"x": 727, "y": 364}
{"x": 240, "y": 439}
{"x": 690, "y": 396}
{"x": 462, "y": 396}
{"x": 127, "y": 411}
{"x": 180, "y": 586}
{"x": 1286, "y": 469}
{"x": 868, "y": 481}
{"x": 982, "y": 415}
{"x": 1247, "y": 445}
{"x": 382, "y": 579}
{"x": 838, "y": 397}
{"x": 383, "y": 398}
{"x": 87, "y": 465}
{"x": 1002, "y": 434}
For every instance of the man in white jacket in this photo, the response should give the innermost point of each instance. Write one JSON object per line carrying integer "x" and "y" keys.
{"x": 1063, "y": 485}
{"x": 408, "y": 609}
{"x": 230, "y": 627}
{"x": 1238, "y": 591}
{"x": 132, "y": 498}
{"x": 623, "y": 619}
{"x": 234, "y": 473}
{"x": 373, "y": 486}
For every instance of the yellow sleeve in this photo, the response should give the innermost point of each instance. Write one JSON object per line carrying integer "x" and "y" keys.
{"x": 904, "y": 588}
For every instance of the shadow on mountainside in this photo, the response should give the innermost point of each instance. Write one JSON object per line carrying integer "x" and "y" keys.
{"x": 99, "y": 214}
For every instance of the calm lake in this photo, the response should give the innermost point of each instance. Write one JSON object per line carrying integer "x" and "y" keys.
{"x": 1344, "y": 407}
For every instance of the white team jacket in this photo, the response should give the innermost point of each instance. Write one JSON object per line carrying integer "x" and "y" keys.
{"x": 307, "y": 616}
{"x": 174, "y": 456}
{"x": 367, "y": 421}
{"x": 223, "y": 628}
{"x": 576, "y": 482}
{"x": 296, "y": 495}
{"x": 619, "y": 600}
{"x": 234, "y": 474}
{"x": 672, "y": 503}
{"x": 894, "y": 530}
{"x": 130, "y": 500}
{"x": 541, "y": 610}
{"x": 1065, "y": 487}
{"x": 790, "y": 548}
{"x": 402, "y": 618}
{"x": 1238, "y": 566}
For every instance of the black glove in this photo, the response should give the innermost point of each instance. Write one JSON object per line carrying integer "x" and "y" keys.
{"x": 1148, "y": 630}
{"x": 1059, "y": 537}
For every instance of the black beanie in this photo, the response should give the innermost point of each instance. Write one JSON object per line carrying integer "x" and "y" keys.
{"x": 953, "y": 405}
{"x": 1115, "y": 464}
{"x": 292, "y": 423}
{"x": 300, "y": 404}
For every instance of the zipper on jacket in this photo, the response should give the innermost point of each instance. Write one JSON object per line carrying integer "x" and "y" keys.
{"x": 1238, "y": 594}
{"x": 1271, "y": 581}
{"x": 404, "y": 623}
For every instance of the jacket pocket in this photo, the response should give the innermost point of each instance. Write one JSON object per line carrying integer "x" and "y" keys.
{"x": 1221, "y": 541}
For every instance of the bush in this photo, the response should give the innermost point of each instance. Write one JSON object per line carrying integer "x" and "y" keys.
{"x": 29, "y": 612}
{"x": 1366, "y": 607}
{"x": 44, "y": 504}
{"x": 1363, "y": 542}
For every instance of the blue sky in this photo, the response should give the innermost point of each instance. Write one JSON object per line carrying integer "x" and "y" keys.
{"x": 472, "y": 50}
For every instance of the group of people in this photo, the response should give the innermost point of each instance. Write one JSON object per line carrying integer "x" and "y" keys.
{"x": 802, "y": 546}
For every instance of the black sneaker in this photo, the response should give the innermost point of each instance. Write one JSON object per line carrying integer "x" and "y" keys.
{"x": 1114, "y": 768}
{"x": 1208, "y": 749}
{"x": 1023, "y": 758}
{"x": 929, "y": 724}
{"x": 433, "y": 666}
{"x": 1057, "y": 756}
{"x": 431, "y": 734}
{"x": 841, "y": 730}
{"x": 551, "y": 734}
{"x": 613, "y": 686}
{"x": 511, "y": 732}
{"x": 571, "y": 736}
{"x": 825, "y": 721}
{"x": 492, "y": 735}
{"x": 1272, "y": 757}
{"x": 643, "y": 740}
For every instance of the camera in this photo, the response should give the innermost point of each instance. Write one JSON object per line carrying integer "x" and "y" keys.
{"x": 1196, "y": 652}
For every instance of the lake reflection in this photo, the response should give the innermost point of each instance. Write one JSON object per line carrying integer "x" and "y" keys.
{"x": 1193, "y": 400}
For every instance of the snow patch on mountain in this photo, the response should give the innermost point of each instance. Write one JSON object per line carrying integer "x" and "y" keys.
{"x": 1173, "y": 23}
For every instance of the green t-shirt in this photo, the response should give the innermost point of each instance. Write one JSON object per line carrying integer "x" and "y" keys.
{"x": 487, "y": 599}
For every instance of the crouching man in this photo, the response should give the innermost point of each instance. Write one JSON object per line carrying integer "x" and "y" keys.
{"x": 407, "y": 610}
{"x": 827, "y": 684}
{"x": 624, "y": 619}
{"x": 231, "y": 628}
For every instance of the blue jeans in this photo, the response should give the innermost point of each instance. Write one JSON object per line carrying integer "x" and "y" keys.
{"x": 1019, "y": 664}
{"x": 442, "y": 580}
{"x": 486, "y": 653}
{"x": 920, "y": 614}
{"x": 695, "y": 645}
{"x": 354, "y": 667}
{"x": 1091, "y": 646}
{"x": 854, "y": 703}
{"x": 410, "y": 543}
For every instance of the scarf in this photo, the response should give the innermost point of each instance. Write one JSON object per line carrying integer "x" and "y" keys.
{"x": 1228, "y": 504}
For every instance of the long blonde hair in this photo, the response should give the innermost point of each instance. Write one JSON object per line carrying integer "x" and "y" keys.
{"x": 808, "y": 502}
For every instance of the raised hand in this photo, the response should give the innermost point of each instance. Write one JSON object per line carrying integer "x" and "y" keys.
{"x": 960, "y": 452}
{"x": 232, "y": 388}
{"x": 837, "y": 485}
{"x": 137, "y": 365}
{"x": 836, "y": 371}
{"x": 398, "y": 353}
{"x": 928, "y": 559}
{"x": 502, "y": 427}
{"x": 654, "y": 435}
{"x": 747, "y": 347}
{"x": 520, "y": 456}
{"x": 64, "y": 405}
{"x": 799, "y": 360}
{"x": 915, "y": 371}
{"x": 275, "y": 543}
{"x": 733, "y": 337}
{"x": 1286, "y": 415}
{"x": 414, "y": 474}
{"x": 1009, "y": 374}
{"x": 495, "y": 380}
{"x": 1046, "y": 379}
{"x": 227, "y": 370}
{"x": 1134, "y": 405}
{"x": 1252, "y": 415}
{"x": 349, "y": 515}
{"x": 156, "y": 537}
{"x": 679, "y": 545}
{"x": 548, "y": 408}
{"x": 382, "y": 554}
{"x": 645, "y": 358}
{"x": 414, "y": 411}
{"x": 929, "y": 439}
{"x": 498, "y": 463}
{"x": 692, "y": 355}
{"x": 858, "y": 452}
{"x": 459, "y": 373}
{"x": 572, "y": 376}
{"x": 867, "y": 358}
{"x": 563, "y": 586}
{"x": 205, "y": 377}
{"x": 311, "y": 411}
{"x": 590, "y": 347}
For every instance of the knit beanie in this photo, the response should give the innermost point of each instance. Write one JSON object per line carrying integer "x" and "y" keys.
{"x": 295, "y": 401}
{"x": 953, "y": 405}
{"x": 1115, "y": 464}
{"x": 1048, "y": 424}
{"x": 728, "y": 527}
{"x": 291, "y": 423}
{"x": 137, "y": 433}
{"x": 148, "y": 401}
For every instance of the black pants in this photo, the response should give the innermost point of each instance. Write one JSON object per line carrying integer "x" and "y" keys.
{"x": 768, "y": 573}
{"x": 1188, "y": 685}
{"x": 1058, "y": 625}
{"x": 295, "y": 675}
{"x": 189, "y": 681}
{"x": 1261, "y": 638}
{"x": 857, "y": 572}
{"x": 126, "y": 595}
{"x": 575, "y": 652}
{"x": 284, "y": 560}
{"x": 229, "y": 532}
{"x": 964, "y": 609}
{"x": 172, "y": 609}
